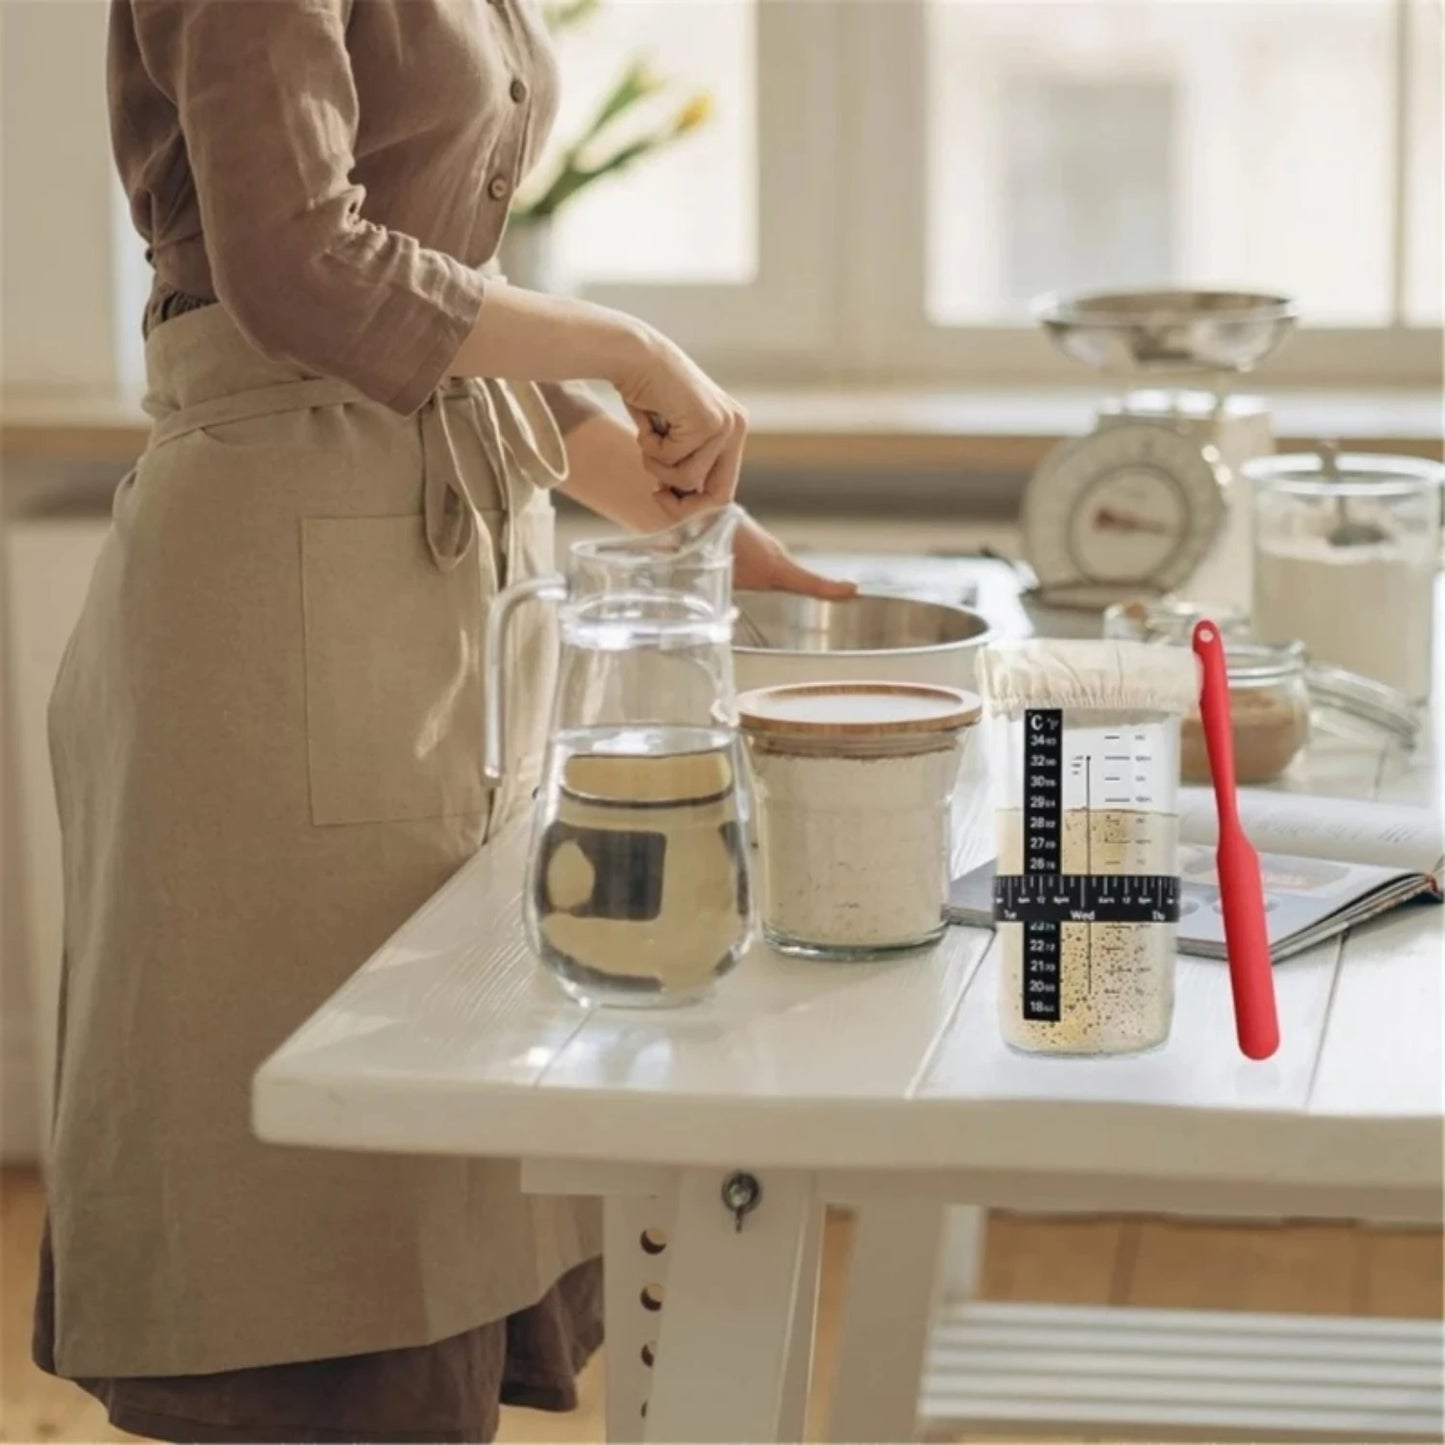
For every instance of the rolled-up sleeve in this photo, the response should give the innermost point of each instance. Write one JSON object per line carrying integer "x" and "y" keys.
{"x": 268, "y": 109}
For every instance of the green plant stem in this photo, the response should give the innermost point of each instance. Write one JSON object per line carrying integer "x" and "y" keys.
{"x": 574, "y": 178}
{"x": 565, "y": 13}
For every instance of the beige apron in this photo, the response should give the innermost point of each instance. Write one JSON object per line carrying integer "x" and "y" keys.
{"x": 266, "y": 741}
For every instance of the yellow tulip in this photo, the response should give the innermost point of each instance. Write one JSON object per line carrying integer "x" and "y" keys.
{"x": 695, "y": 113}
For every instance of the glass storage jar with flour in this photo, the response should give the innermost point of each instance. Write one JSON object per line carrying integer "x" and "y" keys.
{"x": 853, "y": 784}
{"x": 637, "y": 890}
{"x": 1347, "y": 548}
{"x": 1084, "y": 744}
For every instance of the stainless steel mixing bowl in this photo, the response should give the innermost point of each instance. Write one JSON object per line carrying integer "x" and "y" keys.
{"x": 1167, "y": 331}
{"x": 782, "y": 638}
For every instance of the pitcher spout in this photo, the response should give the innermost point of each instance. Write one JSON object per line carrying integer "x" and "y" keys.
{"x": 701, "y": 540}
{"x": 693, "y": 559}
{"x": 708, "y": 535}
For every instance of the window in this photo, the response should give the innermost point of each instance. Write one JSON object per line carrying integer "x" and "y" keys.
{"x": 1116, "y": 144}
{"x": 889, "y": 183}
{"x": 885, "y": 184}
{"x": 699, "y": 197}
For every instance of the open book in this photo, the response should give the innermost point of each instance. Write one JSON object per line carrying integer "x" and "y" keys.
{"x": 1328, "y": 863}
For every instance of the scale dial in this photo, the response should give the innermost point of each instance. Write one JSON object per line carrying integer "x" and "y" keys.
{"x": 1136, "y": 503}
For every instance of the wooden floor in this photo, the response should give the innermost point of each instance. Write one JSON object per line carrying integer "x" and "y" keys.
{"x": 1314, "y": 1268}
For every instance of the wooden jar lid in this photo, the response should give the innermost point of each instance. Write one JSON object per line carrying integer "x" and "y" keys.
{"x": 856, "y": 710}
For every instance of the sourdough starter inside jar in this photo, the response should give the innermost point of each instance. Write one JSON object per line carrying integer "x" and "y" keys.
{"x": 1116, "y": 979}
{"x": 1086, "y": 773}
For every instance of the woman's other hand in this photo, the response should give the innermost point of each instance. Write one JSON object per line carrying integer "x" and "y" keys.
{"x": 689, "y": 430}
{"x": 762, "y": 564}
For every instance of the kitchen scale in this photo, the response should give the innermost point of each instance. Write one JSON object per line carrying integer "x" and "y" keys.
{"x": 1146, "y": 503}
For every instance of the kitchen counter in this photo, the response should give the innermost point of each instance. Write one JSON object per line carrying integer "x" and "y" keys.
{"x": 842, "y": 428}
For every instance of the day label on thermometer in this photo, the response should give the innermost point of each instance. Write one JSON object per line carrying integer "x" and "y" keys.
{"x": 1043, "y": 856}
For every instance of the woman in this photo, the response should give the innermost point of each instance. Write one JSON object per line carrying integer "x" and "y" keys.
{"x": 265, "y": 731}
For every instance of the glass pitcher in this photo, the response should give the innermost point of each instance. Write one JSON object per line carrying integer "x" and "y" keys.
{"x": 637, "y": 885}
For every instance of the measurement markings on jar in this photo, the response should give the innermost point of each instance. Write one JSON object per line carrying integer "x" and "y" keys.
{"x": 1043, "y": 858}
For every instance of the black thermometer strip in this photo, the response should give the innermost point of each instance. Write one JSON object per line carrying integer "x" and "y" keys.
{"x": 1043, "y": 897}
{"x": 1086, "y": 898}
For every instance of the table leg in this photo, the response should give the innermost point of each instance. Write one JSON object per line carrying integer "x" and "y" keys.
{"x": 963, "y": 1243}
{"x": 793, "y": 1416}
{"x": 722, "y": 1371}
{"x": 635, "y": 1256}
{"x": 886, "y": 1320}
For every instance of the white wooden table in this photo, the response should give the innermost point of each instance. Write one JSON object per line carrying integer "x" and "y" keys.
{"x": 885, "y": 1085}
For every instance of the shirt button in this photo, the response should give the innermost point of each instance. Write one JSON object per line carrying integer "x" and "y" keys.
{"x": 497, "y": 188}
{"x": 519, "y": 91}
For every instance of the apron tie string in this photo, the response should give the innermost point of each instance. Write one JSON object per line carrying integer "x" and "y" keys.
{"x": 451, "y": 514}
{"x": 501, "y": 458}
{"x": 510, "y": 442}
{"x": 548, "y": 450}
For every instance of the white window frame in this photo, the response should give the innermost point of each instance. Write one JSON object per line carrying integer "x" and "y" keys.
{"x": 777, "y": 325}
{"x": 843, "y": 174}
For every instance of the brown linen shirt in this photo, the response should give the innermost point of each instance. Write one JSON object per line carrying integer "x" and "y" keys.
{"x": 334, "y": 172}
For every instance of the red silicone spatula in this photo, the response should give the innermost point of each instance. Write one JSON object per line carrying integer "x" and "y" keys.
{"x": 1241, "y": 893}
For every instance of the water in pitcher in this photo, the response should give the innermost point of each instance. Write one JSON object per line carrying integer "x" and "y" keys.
{"x": 638, "y": 884}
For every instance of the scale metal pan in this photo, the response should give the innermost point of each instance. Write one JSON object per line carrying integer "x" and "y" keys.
{"x": 1167, "y": 331}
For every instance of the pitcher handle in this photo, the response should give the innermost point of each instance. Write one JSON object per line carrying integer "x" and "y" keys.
{"x": 494, "y": 703}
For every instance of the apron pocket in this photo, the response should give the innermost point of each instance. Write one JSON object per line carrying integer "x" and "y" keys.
{"x": 393, "y": 676}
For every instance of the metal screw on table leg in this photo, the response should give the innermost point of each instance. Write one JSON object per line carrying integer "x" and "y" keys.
{"x": 740, "y": 1195}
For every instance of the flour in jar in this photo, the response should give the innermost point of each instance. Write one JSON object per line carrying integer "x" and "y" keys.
{"x": 855, "y": 849}
{"x": 1116, "y": 979}
{"x": 1367, "y": 608}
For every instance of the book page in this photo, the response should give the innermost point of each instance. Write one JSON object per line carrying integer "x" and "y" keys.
{"x": 1300, "y": 894}
{"x": 1346, "y": 830}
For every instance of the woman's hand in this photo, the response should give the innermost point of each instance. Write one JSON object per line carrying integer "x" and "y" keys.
{"x": 762, "y": 564}
{"x": 689, "y": 430}
{"x": 608, "y": 479}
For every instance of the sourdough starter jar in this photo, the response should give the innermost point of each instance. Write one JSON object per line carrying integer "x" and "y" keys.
{"x": 1084, "y": 745}
{"x": 853, "y": 785}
